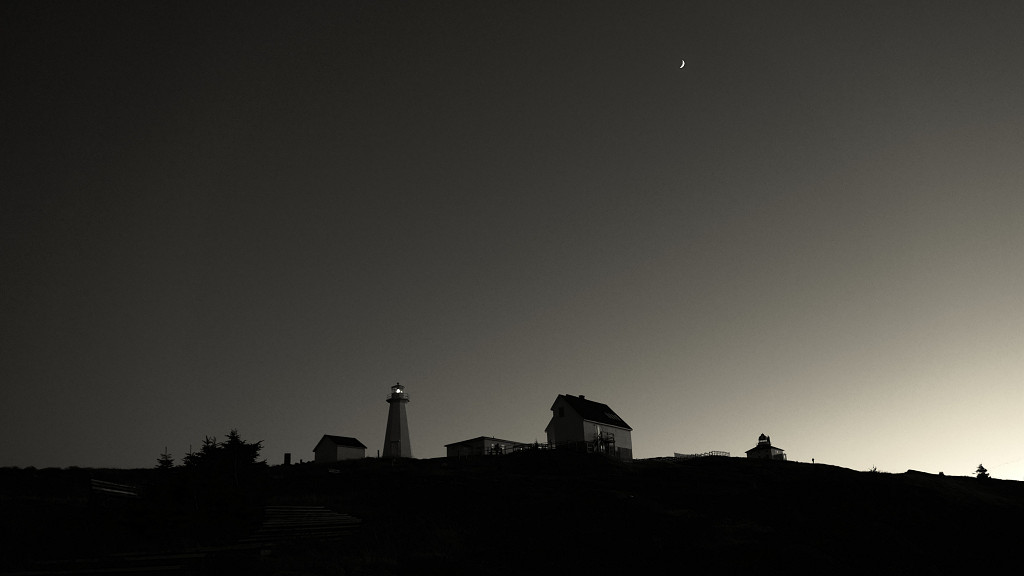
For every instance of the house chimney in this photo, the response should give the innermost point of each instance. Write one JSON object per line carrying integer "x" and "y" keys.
{"x": 582, "y": 397}
{"x": 287, "y": 458}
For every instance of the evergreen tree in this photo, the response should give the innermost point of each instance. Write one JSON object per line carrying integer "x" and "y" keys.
{"x": 981, "y": 472}
{"x": 228, "y": 456}
{"x": 206, "y": 455}
{"x": 225, "y": 475}
{"x": 165, "y": 461}
{"x": 239, "y": 452}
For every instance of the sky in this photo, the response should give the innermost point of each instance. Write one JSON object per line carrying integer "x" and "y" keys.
{"x": 262, "y": 215}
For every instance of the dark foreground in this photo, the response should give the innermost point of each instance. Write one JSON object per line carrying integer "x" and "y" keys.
{"x": 540, "y": 512}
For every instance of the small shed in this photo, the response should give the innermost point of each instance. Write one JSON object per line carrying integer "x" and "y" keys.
{"x": 765, "y": 451}
{"x": 481, "y": 446}
{"x": 334, "y": 448}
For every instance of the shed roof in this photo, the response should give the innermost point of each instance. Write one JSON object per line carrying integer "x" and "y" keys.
{"x": 593, "y": 411}
{"x": 340, "y": 441}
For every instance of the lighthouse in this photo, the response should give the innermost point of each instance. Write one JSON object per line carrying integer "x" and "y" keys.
{"x": 396, "y": 439}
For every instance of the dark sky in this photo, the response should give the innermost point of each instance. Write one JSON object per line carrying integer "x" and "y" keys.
{"x": 262, "y": 215}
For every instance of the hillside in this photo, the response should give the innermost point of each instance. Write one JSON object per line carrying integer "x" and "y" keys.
{"x": 543, "y": 512}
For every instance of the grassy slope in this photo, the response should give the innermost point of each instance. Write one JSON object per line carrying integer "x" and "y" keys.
{"x": 554, "y": 512}
{"x": 520, "y": 512}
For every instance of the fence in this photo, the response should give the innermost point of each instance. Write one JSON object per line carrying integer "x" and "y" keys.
{"x": 112, "y": 489}
{"x": 703, "y": 455}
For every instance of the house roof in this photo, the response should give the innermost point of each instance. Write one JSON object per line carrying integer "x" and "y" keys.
{"x": 510, "y": 442}
{"x": 340, "y": 441}
{"x": 593, "y": 411}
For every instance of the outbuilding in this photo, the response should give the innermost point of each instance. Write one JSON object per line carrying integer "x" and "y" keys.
{"x": 334, "y": 448}
{"x": 481, "y": 446}
{"x": 765, "y": 451}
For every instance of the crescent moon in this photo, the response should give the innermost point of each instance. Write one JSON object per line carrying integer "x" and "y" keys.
{"x": 683, "y": 64}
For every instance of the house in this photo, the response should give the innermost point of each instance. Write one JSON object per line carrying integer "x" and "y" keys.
{"x": 587, "y": 425}
{"x": 335, "y": 448}
{"x": 765, "y": 451}
{"x": 481, "y": 446}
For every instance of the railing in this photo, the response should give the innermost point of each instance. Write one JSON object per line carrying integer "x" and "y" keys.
{"x": 534, "y": 446}
{"x": 606, "y": 445}
{"x": 499, "y": 449}
{"x": 602, "y": 447}
{"x": 112, "y": 489}
{"x": 398, "y": 396}
{"x": 703, "y": 455}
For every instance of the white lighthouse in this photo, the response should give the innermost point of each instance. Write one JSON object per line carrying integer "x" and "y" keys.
{"x": 396, "y": 439}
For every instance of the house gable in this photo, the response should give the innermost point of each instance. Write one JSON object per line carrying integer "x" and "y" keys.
{"x": 589, "y": 410}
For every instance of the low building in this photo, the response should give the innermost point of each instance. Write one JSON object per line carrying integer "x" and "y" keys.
{"x": 583, "y": 424}
{"x": 334, "y": 448}
{"x": 765, "y": 451}
{"x": 481, "y": 446}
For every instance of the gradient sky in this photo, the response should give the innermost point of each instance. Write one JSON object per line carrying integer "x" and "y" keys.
{"x": 262, "y": 215}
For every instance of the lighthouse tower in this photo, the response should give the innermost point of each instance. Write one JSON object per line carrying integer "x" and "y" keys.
{"x": 396, "y": 439}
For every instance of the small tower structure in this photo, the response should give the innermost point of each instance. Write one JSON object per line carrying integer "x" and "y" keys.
{"x": 765, "y": 451}
{"x": 396, "y": 438}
